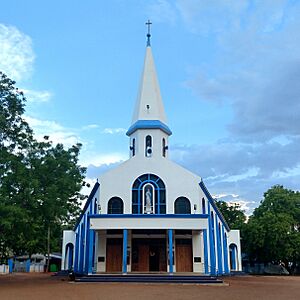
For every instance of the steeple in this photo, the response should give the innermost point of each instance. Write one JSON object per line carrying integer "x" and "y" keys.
{"x": 149, "y": 111}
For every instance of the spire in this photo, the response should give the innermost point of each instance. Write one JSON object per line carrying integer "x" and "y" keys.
{"x": 149, "y": 110}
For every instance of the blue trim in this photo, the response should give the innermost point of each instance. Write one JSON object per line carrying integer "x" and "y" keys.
{"x": 150, "y": 216}
{"x": 225, "y": 251}
{"x": 148, "y": 124}
{"x": 212, "y": 202}
{"x": 205, "y": 251}
{"x": 211, "y": 245}
{"x": 219, "y": 249}
{"x": 76, "y": 251}
{"x": 170, "y": 239}
{"x": 124, "y": 266}
{"x": 87, "y": 203}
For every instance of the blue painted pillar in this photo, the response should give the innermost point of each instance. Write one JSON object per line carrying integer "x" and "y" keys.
{"x": 125, "y": 235}
{"x": 219, "y": 250}
{"x": 225, "y": 251}
{"x": 10, "y": 265}
{"x": 76, "y": 250}
{"x": 90, "y": 252}
{"x": 170, "y": 238}
{"x": 81, "y": 254}
{"x": 205, "y": 251}
{"x": 211, "y": 244}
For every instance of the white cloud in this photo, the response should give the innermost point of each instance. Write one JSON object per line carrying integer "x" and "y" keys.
{"x": 16, "y": 54}
{"x": 90, "y": 126}
{"x": 89, "y": 159}
{"x": 56, "y": 132}
{"x": 36, "y": 96}
{"x": 114, "y": 130}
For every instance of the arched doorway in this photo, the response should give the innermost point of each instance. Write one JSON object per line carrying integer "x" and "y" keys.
{"x": 182, "y": 206}
{"x": 233, "y": 255}
{"x": 69, "y": 256}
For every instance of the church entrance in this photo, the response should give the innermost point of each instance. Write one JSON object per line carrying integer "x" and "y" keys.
{"x": 114, "y": 255}
{"x": 149, "y": 255}
{"x": 184, "y": 255}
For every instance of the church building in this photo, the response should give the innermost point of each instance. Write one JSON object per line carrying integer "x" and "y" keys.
{"x": 149, "y": 214}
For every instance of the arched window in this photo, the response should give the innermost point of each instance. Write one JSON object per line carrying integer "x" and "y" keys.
{"x": 115, "y": 206}
{"x": 148, "y": 195}
{"x": 182, "y": 206}
{"x": 203, "y": 206}
{"x": 148, "y": 144}
{"x": 164, "y": 147}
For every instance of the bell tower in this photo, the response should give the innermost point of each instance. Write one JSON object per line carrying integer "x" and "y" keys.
{"x": 149, "y": 133}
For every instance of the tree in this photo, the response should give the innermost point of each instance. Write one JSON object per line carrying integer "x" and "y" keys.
{"x": 40, "y": 183}
{"x": 272, "y": 233}
{"x": 233, "y": 214}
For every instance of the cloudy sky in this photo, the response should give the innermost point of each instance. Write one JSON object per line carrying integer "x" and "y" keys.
{"x": 229, "y": 73}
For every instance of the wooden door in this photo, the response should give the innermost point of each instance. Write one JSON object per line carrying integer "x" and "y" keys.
{"x": 184, "y": 257}
{"x": 114, "y": 255}
{"x": 143, "y": 265}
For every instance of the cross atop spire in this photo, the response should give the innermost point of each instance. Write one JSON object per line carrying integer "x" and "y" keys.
{"x": 148, "y": 34}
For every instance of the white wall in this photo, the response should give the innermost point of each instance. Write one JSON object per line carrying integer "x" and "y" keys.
{"x": 234, "y": 238}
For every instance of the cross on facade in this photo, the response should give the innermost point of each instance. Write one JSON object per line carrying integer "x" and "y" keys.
{"x": 148, "y": 34}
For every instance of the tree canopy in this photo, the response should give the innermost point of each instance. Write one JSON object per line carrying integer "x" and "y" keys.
{"x": 40, "y": 182}
{"x": 272, "y": 232}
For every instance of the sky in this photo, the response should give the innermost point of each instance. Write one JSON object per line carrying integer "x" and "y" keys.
{"x": 229, "y": 73}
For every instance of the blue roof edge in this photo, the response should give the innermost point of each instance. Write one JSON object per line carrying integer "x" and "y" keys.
{"x": 213, "y": 203}
{"x": 87, "y": 203}
{"x": 148, "y": 124}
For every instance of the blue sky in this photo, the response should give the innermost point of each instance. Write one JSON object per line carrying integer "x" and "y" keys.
{"x": 229, "y": 74}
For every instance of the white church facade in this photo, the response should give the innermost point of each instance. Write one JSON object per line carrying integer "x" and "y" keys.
{"x": 150, "y": 214}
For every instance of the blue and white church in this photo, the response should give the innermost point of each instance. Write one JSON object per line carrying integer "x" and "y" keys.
{"x": 150, "y": 214}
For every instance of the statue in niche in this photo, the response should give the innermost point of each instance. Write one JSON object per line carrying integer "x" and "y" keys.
{"x": 148, "y": 201}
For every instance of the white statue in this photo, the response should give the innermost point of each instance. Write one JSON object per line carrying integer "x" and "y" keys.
{"x": 148, "y": 204}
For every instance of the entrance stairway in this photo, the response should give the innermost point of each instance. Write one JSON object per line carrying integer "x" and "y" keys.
{"x": 150, "y": 278}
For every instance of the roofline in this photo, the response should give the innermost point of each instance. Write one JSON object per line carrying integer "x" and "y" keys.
{"x": 213, "y": 203}
{"x": 148, "y": 124}
{"x": 87, "y": 203}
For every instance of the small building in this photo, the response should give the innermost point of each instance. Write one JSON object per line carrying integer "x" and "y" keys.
{"x": 150, "y": 214}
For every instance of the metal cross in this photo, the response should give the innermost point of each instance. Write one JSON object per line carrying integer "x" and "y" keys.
{"x": 148, "y": 34}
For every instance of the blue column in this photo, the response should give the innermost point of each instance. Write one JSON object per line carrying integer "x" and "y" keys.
{"x": 205, "y": 251}
{"x": 125, "y": 234}
{"x": 220, "y": 256}
{"x": 211, "y": 244}
{"x": 170, "y": 237}
{"x": 225, "y": 251}
{"x": 76, "y": 251}
{"x": 81, "y": 254}
{"x": 90, "y": 251}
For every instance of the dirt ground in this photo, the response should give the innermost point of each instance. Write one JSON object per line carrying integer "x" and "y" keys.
{"x": 44, "y": 286}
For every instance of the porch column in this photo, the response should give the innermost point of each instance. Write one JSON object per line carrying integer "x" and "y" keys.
{"x": 125, "y": 233}
{"x": 205, "y": 251}
{"x": 170, "y": 238}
